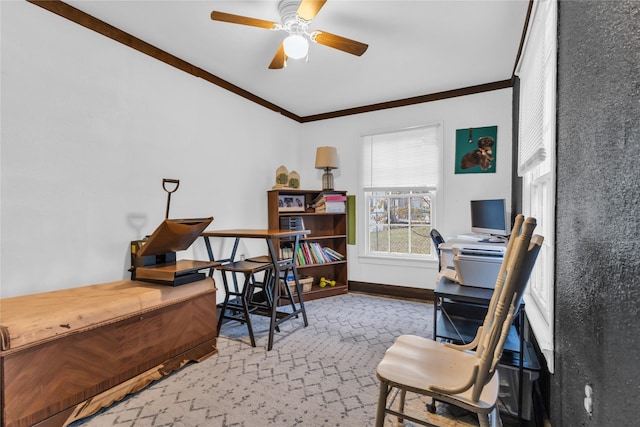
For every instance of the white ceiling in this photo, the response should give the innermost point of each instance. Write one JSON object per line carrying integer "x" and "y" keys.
{"x": 416, "y": 48}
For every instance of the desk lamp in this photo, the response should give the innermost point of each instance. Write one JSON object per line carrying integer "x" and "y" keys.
{"x": 327, "y": 159}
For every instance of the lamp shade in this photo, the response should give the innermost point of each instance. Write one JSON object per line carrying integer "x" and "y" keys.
{"x": 326, "y": 158}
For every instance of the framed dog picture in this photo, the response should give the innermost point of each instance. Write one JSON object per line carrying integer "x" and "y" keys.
{"x": 476, "y": 150}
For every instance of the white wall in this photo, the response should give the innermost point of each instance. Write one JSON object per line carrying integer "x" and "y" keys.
{"x": 90, "y": 128}
{"x": 452, "y": 217}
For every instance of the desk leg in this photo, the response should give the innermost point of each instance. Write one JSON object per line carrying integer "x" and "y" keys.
{"x": 276, "y": 292}
{"x": 521, "y": 364}
{"x": 231, "y": 259}
{"x": 282, "y": 267}
{"x": 296, "y": 277}
{"x": 431, "y": 407}
{"x": 207, "y": 243}
{"x": 436, "y": 303}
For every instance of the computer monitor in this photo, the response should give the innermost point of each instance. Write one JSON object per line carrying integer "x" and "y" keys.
{"x": 489, "y": 217}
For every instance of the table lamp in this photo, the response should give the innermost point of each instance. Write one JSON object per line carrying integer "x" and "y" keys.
{"x": 327, "y": 159}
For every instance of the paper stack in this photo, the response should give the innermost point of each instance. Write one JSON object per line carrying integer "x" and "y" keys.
{"x": 330, "y": 203}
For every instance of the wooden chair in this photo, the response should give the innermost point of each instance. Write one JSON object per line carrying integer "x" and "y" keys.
{"x": 461, "y": 375}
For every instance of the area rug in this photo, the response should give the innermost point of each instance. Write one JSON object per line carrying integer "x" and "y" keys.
{"x": 319, "y": 376}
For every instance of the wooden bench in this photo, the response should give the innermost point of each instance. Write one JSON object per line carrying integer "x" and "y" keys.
{"x": 65, "y": 354}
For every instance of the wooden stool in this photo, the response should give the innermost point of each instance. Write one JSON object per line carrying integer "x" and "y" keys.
{"x": 240, "y": 302}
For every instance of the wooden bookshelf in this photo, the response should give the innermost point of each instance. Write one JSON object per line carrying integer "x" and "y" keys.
{"x": 328, "y": 230}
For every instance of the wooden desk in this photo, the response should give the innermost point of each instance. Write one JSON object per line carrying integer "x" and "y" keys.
{"x": 281, "y": 266}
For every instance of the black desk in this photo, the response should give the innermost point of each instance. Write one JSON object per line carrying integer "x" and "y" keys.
{"x": 462, "y": 311}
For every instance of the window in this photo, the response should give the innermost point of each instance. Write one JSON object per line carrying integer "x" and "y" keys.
{"x": 399, "y": 222}
{"x": 536, "y": 163}
{"x": 400, "y": 177}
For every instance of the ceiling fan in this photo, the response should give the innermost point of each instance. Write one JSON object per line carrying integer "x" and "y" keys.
{"x": 295, "y": 20}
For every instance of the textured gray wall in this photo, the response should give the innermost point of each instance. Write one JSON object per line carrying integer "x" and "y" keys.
{"x": 598, "y": 198}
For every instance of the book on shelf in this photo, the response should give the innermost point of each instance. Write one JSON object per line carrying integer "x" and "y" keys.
{"x": 317, "y": 250}
{"x": 321, "y": 256}
{"x": 286, "y": 252}
{"x": 327, "y": 195}
{"x": 313, "y": 253}
{"x": 331, "y": 207}
{"x": 311, "y": 256}
{"x": 300, "y": 257}
{"x": 330, "y": 202}
{"x": 307, "y": 254}
{"x": 336, "y": 256}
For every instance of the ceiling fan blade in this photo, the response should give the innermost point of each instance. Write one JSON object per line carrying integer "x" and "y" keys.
{"x": 337, "y": 42}
{"x": 308, "y": 9}
{"x": 242, "y": 20}
{"x": 279, "y": 60}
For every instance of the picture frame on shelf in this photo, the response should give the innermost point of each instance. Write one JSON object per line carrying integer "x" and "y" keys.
{"x": 291, "y": 203}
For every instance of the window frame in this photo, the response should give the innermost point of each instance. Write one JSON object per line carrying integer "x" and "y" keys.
{"x": 434, "y": 191}
{"x": 537, "y": 70}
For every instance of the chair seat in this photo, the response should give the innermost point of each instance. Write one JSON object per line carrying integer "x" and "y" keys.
{"x": 418, "y": 364}
{"x": 248, "y": 267}
{"x": 260, "y": 258}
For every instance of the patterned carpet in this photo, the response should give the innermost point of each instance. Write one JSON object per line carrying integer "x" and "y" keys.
{"x": 319, "y": 376}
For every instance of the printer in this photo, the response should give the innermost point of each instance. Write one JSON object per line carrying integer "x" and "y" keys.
{"x": 477, "y": 264}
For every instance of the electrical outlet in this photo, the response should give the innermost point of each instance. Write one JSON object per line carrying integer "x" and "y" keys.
{"x": 588, "y": 399}
{"x": 241, "y": 257}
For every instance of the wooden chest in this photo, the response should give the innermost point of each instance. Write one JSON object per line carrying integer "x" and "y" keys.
{"x": 66, "y": 354}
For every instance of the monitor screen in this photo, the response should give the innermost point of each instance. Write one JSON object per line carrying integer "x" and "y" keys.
{"x": 489, "y": 217}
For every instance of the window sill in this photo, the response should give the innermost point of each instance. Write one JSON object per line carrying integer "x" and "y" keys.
{"x": 399, "y": 261}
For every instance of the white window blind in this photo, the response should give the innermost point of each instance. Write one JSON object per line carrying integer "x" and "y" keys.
{"x": 401, "y": 160}
{"x": 537, "y": 71}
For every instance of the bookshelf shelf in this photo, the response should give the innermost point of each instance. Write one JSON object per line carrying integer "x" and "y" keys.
{"x": 328, "y": 230}
{"x": 312, "y": 237}
{"x": 300, "y": 267}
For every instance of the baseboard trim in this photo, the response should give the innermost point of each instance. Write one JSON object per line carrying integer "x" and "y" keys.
{"x": 394, "y": 291}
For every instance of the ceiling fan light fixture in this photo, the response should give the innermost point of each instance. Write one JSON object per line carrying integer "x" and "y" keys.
{"x": 296, "y": 46}
{"x": 295, "y": 17}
